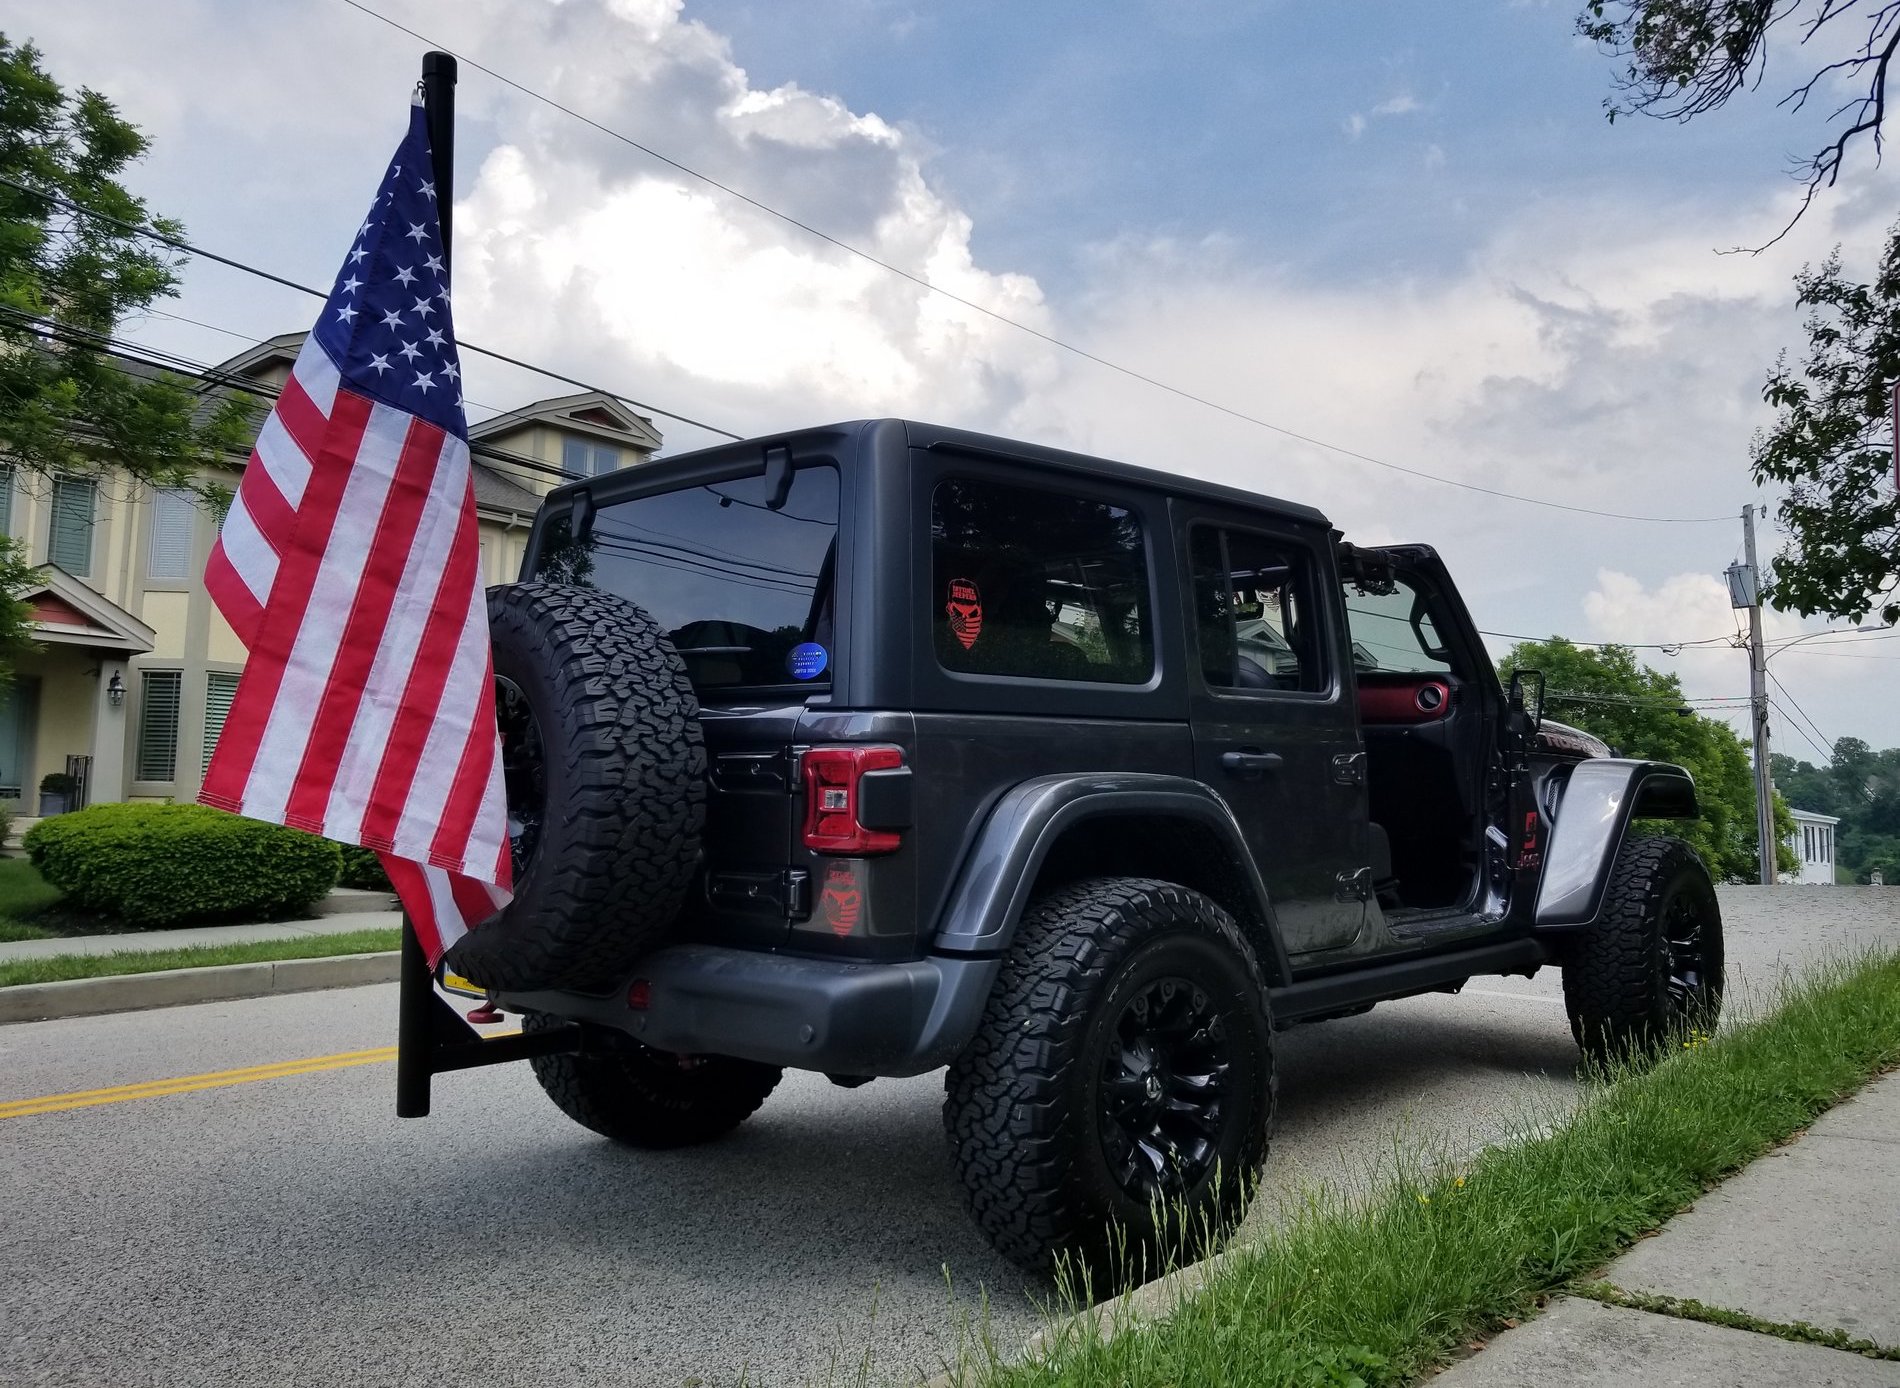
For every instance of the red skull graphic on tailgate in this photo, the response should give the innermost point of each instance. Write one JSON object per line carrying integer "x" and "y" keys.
{"x": 966, "y": 611}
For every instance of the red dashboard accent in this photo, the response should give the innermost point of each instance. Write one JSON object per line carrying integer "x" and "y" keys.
{"x": 1407, "y": 699}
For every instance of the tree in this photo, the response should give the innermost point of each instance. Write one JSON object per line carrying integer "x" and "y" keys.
{"x": 1832, "y": 445}
{"x": 1684, "y": 58}
{"x": 68, "y": 402}
{"x": 1860, "y": 787}
{"x": 1831, "y": 442}
{"x": 1641, "y": 713}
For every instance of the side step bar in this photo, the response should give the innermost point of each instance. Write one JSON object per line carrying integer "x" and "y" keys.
{"x": 1317, "y": 997}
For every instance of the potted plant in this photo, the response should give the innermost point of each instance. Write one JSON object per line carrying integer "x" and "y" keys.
{"x": 57, "y": 790}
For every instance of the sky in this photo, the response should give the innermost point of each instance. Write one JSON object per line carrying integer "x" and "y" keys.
{"x": 1355, "y": 231}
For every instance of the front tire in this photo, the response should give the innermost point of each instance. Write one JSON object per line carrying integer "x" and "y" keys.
{"x": 1113, "y": 1109}
{"x": 647, "y": 1098}
{"x": 1651, "y": 968}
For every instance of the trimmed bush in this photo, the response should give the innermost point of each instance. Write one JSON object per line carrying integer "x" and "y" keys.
{"x": 362, "y": 868}
{"x": 159, "y": 865}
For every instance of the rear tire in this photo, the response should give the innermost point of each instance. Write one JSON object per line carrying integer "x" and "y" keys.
{"x": 1651, "y": 969}
{"x": 647, "y": 1098}
{"x": 1113, "y": 1109}
{"x": 605, "y": 771}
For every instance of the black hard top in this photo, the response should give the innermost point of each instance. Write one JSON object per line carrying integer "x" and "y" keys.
{"x": 934, "y": 437}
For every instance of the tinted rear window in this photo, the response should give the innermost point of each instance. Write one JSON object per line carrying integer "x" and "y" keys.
{"x": 743, "y": 591}
{"x": 1038, "y": 584}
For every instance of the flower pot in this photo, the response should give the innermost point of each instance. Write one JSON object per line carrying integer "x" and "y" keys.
{"x": 54, "y": 802}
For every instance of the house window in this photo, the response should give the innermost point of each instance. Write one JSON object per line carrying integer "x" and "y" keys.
{"x": 158, "y": 725}
{"x": 580, "y": 458}
{"x": 172, "y": 512}
{"x": 219, "y": 691}
{"x": 70, "y": 543}
{"x": 6, "y": 501}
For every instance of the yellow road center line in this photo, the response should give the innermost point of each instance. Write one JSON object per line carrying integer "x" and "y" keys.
{"x": 187, "y": 1084}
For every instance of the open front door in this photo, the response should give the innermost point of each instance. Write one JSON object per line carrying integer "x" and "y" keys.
{"x": 1431, "y": 714}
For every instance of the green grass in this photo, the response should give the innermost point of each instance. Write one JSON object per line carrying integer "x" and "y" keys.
{"x": 1376, "y": 1292}
{"x": 64, "y": 966}
{"x": 24, "y": 896}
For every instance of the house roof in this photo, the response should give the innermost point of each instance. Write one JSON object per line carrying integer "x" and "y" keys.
{"x": 591, "y": 412}
{"x": 69, "y": 612}
{"x": 502, "y": 493}
{"x": 1812, "y": 817}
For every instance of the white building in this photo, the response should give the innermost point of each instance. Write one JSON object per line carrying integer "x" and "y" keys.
{"x": 1813, "y": 843}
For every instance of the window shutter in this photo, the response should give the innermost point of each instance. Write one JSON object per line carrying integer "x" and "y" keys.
{"x": 70, "y": 544}
{"x": 158, "y": 725}
{"x": 172, "y": 510}
{"x": 6, "y": 501}
{"x": 219, "y": 691}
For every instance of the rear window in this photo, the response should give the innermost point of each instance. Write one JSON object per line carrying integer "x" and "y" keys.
{"x": 1038, "y": 584}
{"x": 743, "y": 591}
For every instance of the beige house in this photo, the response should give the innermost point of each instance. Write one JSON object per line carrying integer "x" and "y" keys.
{"x": 136, "y": 668}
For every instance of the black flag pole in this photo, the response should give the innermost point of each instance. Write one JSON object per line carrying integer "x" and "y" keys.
{"x": 417, "y": 1003}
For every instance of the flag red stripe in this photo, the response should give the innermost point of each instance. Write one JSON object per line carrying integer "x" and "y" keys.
{"x": 422, "y": 696}
{"x": 450, "y": 846}
{"x": 290, "y": 596}
{"x": 233, "y": 598}
{"x": 408, "y": 880}
{"x": 363, "y": 632}
{"x": 303, "y": 419}
{"x": 269, "y": 512}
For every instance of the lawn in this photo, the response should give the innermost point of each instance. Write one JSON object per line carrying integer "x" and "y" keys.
{"x": 26, "y": 904}
{"x": 1375, "y": 1293}
{"x": 61, "y": 967}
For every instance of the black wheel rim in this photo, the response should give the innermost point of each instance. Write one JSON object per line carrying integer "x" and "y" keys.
{"x": 1164, "y": 1085}
{"x": 1687, "y": 948}
{"x": 523, "y": 772}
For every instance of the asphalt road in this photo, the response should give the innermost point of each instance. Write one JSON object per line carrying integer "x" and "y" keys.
{"x": 292, "y": 1231}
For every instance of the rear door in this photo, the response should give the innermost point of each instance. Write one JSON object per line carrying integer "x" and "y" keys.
{"x": 744, "y": 584}
{"x": 1274, "y": 726}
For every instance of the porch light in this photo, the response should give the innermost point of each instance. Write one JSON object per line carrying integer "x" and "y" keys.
{"x": 115, "y": 690}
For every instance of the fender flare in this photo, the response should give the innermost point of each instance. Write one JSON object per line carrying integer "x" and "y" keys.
{"x": 1592, "y": 819}
{"x": 992, "y": 889}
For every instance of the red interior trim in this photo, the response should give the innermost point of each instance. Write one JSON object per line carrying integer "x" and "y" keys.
{"x": 1395, "y": 699}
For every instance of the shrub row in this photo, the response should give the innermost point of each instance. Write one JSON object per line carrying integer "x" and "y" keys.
{"x": 156, "y": 865}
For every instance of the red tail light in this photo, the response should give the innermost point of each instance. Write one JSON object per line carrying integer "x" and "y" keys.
{"x": 833, "y": 778}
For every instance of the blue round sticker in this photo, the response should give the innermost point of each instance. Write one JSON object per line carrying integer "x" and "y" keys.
{"x": 807, "y": 660}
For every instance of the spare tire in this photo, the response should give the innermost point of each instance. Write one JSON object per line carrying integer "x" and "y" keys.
{"x": 605, "y": 770}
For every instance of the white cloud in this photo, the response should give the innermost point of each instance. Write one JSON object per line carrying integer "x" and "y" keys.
{"x": 1404, "y": 104}
{"x": 1354, "y": 125}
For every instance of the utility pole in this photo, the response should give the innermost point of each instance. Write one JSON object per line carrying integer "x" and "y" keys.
{"x": 1758, "y": 704}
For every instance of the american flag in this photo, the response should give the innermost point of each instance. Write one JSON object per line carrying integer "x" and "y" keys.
{"x": 349, "y": 566}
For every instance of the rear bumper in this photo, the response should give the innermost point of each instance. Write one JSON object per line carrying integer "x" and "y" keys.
{"x": 808, "y": 1014}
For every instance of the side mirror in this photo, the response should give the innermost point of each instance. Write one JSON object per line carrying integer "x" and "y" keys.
{"x": 1525, "y": 705}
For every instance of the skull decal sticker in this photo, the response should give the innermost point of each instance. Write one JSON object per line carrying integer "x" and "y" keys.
{"x": 965, "y": 608}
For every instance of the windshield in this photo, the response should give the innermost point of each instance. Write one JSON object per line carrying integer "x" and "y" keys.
{"x": 742, "y": 590}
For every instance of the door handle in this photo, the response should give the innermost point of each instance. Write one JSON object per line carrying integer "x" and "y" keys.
{"x": 1247, "y": 763}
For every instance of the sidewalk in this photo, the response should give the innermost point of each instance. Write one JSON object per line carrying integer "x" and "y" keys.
{"x": 199, "y": 935}
{"x": 1810, "y": 1233}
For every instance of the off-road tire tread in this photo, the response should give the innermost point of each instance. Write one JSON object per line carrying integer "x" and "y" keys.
{"x": 618, "y": 1090}
{"x": 617, "y": 859}
{"x": 1005, "y": 1108}
{"x": 1616, "y": 972}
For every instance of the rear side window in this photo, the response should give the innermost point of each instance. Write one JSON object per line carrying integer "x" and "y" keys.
{"x": 1392, "y": 629}
{"x": 743, "y": 591}
{"x": 1257, "y": 627}
{"x": 1038, "y": 584}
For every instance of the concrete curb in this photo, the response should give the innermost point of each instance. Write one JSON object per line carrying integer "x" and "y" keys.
{"x": 86, "y": 997}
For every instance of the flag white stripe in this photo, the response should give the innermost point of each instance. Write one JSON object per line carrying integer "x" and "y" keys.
{"x": 250, "y": 555}
{"x": 449, "y": 926}
{"x": 394, "y": 663}
{"x": 465, "y": 698}
{"x": 313, "y": 652}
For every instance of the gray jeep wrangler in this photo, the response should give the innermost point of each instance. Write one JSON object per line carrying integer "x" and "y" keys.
{"x": 882, "y": 748}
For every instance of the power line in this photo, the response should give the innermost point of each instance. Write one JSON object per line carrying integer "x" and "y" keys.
{"x": 925, "y": 283}
{"x": 1670, "y": 646}
{"x": 1803, "y": 712}
{"x": 1805, "y": 736}
{"x": 179, "y": 244}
